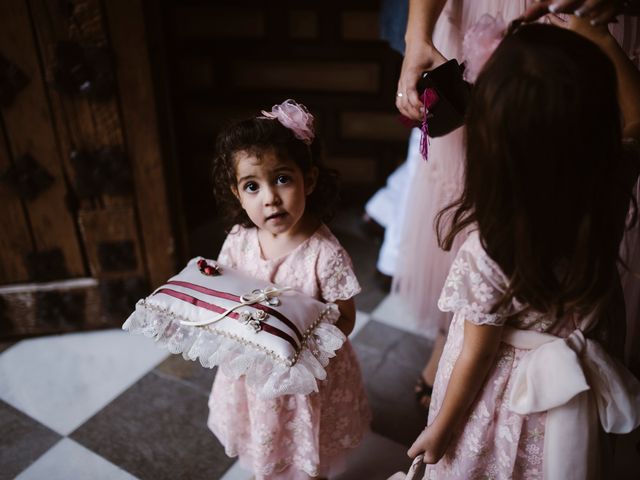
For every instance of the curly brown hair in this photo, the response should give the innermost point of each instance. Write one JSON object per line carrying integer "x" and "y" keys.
{"x": 258, "y": 135}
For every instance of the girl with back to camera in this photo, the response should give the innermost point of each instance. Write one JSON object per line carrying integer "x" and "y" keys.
{"x": 435, "y": 32}
{"x": 275, "y": 193}
{"x": 524, "y": 387}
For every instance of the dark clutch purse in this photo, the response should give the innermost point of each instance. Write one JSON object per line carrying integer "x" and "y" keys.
{"x": 445, "y": 94}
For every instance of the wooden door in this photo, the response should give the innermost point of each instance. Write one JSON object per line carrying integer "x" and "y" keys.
{"x": 86, "y": 225}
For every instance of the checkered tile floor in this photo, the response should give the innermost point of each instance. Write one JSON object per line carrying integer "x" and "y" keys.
{"x": 108, "y": 405}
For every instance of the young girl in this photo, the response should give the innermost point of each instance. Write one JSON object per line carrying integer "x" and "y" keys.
{"x": 275, "y": 192}
{"x": 519, "y": 390}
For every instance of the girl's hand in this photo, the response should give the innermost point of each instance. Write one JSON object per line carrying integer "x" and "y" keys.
{"x": 418, "y": 58}
{"x": 598, "y": 34}
{"x": 432, "y": 443}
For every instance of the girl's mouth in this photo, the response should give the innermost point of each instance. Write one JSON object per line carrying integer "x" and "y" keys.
{"x": 276, "y": 216}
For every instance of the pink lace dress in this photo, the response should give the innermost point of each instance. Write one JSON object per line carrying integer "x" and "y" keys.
{"x": 294, "y": 436}
{"x": 493, "y": 442}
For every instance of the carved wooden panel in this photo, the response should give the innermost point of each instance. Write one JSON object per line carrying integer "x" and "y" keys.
{"x": 85, "y": 211}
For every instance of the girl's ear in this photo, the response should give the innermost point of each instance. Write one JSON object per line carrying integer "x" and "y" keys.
{"x": 234, "y": 190}
{"x": 310, "y": 180}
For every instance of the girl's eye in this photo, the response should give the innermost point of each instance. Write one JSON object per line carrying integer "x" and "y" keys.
{"x": 282, "y": 179}
{"x": 250, "y": 187}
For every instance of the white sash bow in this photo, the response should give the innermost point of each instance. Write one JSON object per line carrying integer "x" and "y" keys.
{"x": 576, "y": 382}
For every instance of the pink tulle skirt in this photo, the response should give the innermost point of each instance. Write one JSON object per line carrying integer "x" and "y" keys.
{"x": 423, "y": 266}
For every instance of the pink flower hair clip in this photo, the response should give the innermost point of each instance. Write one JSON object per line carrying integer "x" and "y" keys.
{"x": 480, "y": 42}
{"x": 295, "y": 117}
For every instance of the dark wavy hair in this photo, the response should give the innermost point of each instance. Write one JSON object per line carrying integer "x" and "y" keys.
{"x": 259, "y": 135}
{"x": 545, "y": 171}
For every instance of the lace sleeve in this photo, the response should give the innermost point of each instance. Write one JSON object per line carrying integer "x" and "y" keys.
{"x": 474, "y": 284}
{"x": 336, "y": 278}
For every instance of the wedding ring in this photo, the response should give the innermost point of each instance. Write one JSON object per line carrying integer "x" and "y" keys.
{"x": 400, "y": 94}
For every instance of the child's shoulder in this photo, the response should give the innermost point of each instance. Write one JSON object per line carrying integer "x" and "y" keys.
{"x": 475, "y": 257}
{"x": 472, "y": 245}
{"x": 238, "y": 232}
{"x": 238, "y": 238}
{"x": 334, "y": 269}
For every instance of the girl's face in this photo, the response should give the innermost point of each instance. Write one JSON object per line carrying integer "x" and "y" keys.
{"x": 272, "y": 190}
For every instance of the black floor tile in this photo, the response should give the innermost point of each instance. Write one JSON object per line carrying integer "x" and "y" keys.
{"x": 157, "y": 430}
{"x": 379, "y": 336}
{"x": 189, "y": 373}
{"x": 391, "y": 362}
{"x": 22, "y": 441}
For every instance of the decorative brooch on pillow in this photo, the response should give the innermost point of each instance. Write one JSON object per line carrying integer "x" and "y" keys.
{"x": 279, "y": 338}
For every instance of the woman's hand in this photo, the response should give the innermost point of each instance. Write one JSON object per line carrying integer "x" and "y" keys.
{"x": 628, "y": 78}
{"x": 598, "y": 34}
{"x": 418, "y": 58}
{"x": 599, "y": 12}
{"x": 432, "y": 443}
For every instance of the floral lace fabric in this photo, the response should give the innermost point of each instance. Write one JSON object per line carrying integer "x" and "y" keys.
{"x": 293, "y": 436}
{"x": 494, "y": 442}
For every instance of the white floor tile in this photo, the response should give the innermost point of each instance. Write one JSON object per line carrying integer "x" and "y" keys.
{"x": 394, "y": 312}
{"x": 68, "y": 460}
{"x": 362, "y": 318}
{"x": 236, "y": 472}
{"x": 63, "y": 380}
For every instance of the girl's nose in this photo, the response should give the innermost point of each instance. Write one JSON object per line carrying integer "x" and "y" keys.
{"x": 271, "y": 197}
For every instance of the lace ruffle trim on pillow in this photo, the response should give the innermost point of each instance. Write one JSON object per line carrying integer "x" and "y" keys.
{"x": 267, "y": 373}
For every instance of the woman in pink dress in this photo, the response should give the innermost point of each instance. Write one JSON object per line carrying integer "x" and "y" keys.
{"x": 524, "y": 387}
{"x": 273, "y": 188}
{"x": 435, "y": 31}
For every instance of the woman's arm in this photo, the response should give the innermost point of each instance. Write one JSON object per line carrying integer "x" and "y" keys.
{"x": 423, "y": 15}
{"x": 476, "y": 358}
{"x": 628, "y": 77}
{"x": 420, "y": 54}
{"x": 347, "y": 319}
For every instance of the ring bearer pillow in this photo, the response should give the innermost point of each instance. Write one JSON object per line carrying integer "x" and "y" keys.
{"x": 279, "y": 338}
